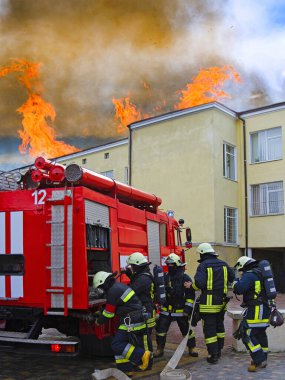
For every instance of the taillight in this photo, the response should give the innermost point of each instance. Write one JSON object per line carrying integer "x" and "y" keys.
{"x": 68, "y": 348}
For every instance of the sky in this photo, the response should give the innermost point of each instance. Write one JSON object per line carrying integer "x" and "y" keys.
{"x": 93, "y": 51}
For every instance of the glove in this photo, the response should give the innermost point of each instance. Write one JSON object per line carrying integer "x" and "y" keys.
{"x": 128, "y": 272}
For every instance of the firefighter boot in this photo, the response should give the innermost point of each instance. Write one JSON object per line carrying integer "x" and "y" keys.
{"x": 145, "y": 360}
{"x": 256, "y": 367}
{"x": 159, "y": 352}
{"x": 213, "y": 359}
{"x": 193, "y": 353}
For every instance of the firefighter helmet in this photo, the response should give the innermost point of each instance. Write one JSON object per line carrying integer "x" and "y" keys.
{"x": 137, "y": 258}
{"x": 100, "y": 278}
{"x": 174, "y": 259}
{"x": 243, "y": 261}
{"x": 206, "y": 248}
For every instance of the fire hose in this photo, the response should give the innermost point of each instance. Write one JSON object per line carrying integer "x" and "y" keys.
{"x": 169, "y": 371}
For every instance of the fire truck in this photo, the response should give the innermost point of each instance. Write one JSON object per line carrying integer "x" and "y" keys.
{"x": 58, "y": 227}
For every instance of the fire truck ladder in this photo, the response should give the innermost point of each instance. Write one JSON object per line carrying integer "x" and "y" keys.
{"x": 59, "y": 216}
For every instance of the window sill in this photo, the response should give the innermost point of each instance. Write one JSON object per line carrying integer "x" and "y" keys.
{"x": 235, "y": 245}
{"x": 264, "y": 162}
{"x": 262, "y": 215}
{"x": 230, "y": 179}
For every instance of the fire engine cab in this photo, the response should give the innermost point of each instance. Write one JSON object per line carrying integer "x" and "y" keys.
{"x": 58, "y": 227}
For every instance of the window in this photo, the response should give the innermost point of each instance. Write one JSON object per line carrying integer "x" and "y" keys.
{"x": 163, "y": 234}
{"x": 267, "y": 199}
{"x": 229, "y": 161}
{"x": 266, "y": 145}
{"x": 108, "y": 173}
{"x": 12, "y": 264}
{"x": 126, "y": 175}
{"x": 230, "y": 225}
{"x": 106, "y": 156}
{"x": 84, "y": 160}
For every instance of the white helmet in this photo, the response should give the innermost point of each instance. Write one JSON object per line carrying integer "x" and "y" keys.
{"x": 137, "y": 258}
{"x": 99, "y": 278}
{"x": 243, "y": 261}
{"x": 206, "y": 248}
{"x": 174, "y": 259}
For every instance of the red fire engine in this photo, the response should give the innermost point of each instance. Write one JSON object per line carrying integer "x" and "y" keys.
{"x": 58, "y": 227}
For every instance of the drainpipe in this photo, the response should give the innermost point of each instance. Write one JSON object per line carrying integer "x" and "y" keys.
{"x": 245, "y": 186}
{"x": 130, "y": 155}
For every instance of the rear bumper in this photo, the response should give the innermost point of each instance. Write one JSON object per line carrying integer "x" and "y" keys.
{"x": 58, "y": 347}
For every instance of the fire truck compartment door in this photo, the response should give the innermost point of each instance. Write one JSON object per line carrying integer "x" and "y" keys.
{"x": 153, "y": 242}
{"x": 96, "y": 213}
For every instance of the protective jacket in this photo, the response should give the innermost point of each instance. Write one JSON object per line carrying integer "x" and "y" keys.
{"x": 124, "y": 303}
{"x": 254, "y": 299}
{"x": 212, "y": 278}
{"x": 143, "y": 284}
{"x": 179, "y": 300}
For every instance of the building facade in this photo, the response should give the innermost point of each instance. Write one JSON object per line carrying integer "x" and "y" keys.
{"x": 219, "y": 170}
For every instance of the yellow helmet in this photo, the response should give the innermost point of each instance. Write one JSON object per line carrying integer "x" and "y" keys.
{"x": 174, "y": 259}
{"x": 137, "y": 258}
{"x": 99, "y": 278}
{"x": 243, "y": 261}
{"x": 206, "y": 248}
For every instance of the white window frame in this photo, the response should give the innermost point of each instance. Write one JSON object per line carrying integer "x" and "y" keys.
{"x": 230, "y": 222}
{"x": 267, "y": 195}
{"x": 227, "y": 158}
{"x": 108, "y": 173}
{"x": 126, "y": 175}
{"x": 263, "y": 147}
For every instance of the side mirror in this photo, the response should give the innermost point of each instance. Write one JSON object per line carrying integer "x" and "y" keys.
{"x": 188, "y": 243}
{"x": 188, "y": 235}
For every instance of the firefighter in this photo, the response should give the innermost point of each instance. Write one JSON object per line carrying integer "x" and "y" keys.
{"x": 142, "y": 283}
{"x": 256, "y": 315}
{"x": 178, "y": 306}
{"x": 122, "y": 301}
{"x": 212, "y": 278}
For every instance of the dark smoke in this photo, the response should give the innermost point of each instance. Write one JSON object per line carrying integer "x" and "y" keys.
{"x": 95, "y": 50}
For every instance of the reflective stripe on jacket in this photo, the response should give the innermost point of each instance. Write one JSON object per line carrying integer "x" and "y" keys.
{"x": 254, "y": 298}
{"x": 212, "y": 278}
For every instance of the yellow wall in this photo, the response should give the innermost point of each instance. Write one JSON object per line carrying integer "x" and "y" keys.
{"x": 95, "y": 161}
{"x": 181, "y": 160}
{"x": 173, "y": 159}
{"x": 266, "y": 231}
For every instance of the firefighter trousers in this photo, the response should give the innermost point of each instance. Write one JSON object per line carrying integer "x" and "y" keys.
{"x": 127, "y": 350}
{"x": 256, "y": 342}
{"x": 214, "y": 331}
{"x": 162, "y": 327}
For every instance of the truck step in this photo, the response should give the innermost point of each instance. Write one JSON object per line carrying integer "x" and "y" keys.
{"x": 55, "y": 313}
{"x": 13, "y": 334}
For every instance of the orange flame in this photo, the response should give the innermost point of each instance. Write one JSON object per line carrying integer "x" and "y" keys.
{"x": 125, "y": 113}
{"x": 38, "y": 137}
{"x": 207, "y": 86}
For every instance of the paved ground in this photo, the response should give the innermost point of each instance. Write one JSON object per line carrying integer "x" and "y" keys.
{"x": 232, "y": 366}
